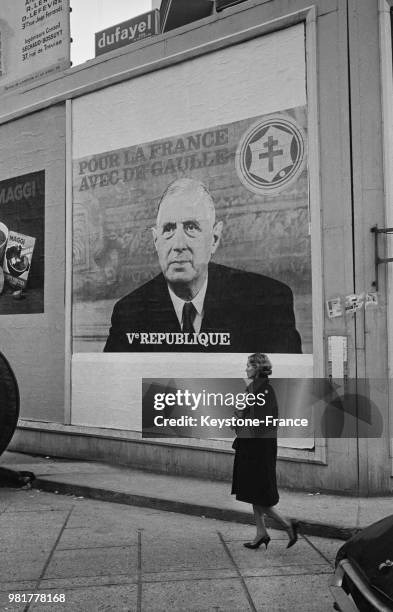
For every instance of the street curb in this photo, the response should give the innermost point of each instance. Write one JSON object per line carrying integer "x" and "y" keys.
{"x": 307, "y": 527}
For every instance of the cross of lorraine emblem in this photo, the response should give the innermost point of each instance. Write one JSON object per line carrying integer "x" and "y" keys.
{"x": 271, "y": 154}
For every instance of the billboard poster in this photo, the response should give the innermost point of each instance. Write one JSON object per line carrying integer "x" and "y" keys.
{"x": 34, "y": 41}
{"x": 22, "y": 237}
{"x": 198, "y": 242}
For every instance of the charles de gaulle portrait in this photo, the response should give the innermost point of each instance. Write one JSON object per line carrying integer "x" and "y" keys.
{"x": 195, "y": 304}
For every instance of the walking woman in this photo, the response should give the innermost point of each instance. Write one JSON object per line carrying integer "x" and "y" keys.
{"x": 254, "y": 469}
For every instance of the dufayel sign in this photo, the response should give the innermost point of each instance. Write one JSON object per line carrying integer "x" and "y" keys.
{"x": 127, "y": 32}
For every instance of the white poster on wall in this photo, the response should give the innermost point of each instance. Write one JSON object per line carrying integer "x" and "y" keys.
{"x": 235, "y": 121}
{"x": 34, "y": 41}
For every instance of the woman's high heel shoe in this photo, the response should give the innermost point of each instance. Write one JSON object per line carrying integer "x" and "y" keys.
{"x": 263, "y": 540}
{"x": 293, "y": 533}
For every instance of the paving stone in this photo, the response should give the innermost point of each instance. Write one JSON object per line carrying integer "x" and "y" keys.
{"x": 307, "y": 593}
{"x": 89, "y": 515}
{"x": 15, "y": 539}
{"x": 328, "y": 548}
{"x": 97, "y": 537}
{"x": 21, "y": 565}
{"x": 226, "y": 595}
{"x": 93, "y": 599}
{"x": 188, "y": 553}
{"x": 30, "y": 532}
{"x": 33, "y": 520}
{"x": 31, "y": 547}
{"x": 92, "y": 562}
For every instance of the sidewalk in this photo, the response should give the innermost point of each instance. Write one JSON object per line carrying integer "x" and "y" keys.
{"x": 329, "y": 516}
{"x": 62, "y": 553}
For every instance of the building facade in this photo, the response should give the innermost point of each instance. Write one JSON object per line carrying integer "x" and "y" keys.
{"x": 107, "y": 137}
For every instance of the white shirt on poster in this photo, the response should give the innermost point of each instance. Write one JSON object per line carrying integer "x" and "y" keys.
{"x": 197, "y": 301}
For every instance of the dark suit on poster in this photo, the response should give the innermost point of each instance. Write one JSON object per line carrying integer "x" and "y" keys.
{"x": 256, "y": 310}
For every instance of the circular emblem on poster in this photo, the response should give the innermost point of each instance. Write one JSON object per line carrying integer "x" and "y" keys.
{"x": 271, "y": 154}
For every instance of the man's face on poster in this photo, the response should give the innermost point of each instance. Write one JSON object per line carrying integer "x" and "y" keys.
{"x": 186, "y": 236}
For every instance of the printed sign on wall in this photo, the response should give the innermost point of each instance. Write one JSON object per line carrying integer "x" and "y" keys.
{"x": 34, "y": 40}
{"x": 197, "y": 242}
{"x": 127, "y": 32}
{"x": 22, "y": 232}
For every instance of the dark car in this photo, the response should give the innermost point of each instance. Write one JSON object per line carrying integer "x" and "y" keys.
{"x": 9, "y": 412}
{"x": 363, "y": 580}
{"x": 9, "y": 403}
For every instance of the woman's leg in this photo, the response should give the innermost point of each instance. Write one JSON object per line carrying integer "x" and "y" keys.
{"x": 259, "y": 521}
{"x": 261, "y": 535}
{"x": 290, "y": 527}
{"x": 281, "y": 520}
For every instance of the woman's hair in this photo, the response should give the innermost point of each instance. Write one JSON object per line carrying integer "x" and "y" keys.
{"x": 262, "y": 363}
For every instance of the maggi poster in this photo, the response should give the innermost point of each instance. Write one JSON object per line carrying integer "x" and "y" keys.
{"x": 197, "y": 242}
{"x": 22, "y": 243}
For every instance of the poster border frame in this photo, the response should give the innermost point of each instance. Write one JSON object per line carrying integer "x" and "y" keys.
{"x": 308, "y": 17}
